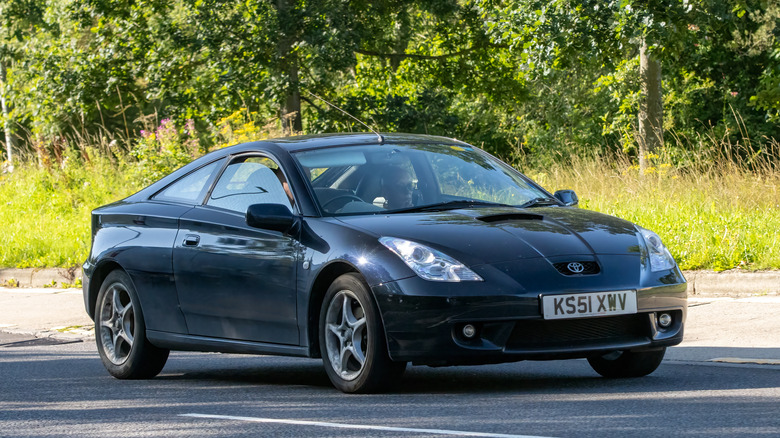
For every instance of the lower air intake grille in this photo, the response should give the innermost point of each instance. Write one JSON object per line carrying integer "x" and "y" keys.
{"x": 540, "y": 334}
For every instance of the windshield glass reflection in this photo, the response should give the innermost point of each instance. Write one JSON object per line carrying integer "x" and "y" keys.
{"x": 400, "y": 178}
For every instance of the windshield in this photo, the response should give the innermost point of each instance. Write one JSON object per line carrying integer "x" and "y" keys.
{"x": 398, "y": 178}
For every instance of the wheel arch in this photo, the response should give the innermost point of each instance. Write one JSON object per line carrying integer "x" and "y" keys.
{"x": 96, "y": 281}
{"x": 324, "y": 279}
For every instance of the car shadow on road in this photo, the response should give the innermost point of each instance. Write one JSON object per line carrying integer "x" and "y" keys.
{"x": 548, "y": 377}
{"x": 252, "y": 370}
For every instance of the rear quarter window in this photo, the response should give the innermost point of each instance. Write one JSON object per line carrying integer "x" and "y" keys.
{"x": 191, "y": 188}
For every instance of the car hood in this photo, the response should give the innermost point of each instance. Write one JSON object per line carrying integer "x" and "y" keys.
{"x": 498, "y": 234}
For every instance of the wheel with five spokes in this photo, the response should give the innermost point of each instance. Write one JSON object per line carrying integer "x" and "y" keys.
{"x": 120, "y": 331}
{"x": 352, "y": 339}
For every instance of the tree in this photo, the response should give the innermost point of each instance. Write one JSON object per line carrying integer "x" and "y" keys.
{"x": 18, "y": 19}
{"x": 6, "y": 111}
{"x": 519, "y": 77}
{"x": 428, "y": 67}
{"x": 763, "y": 41}
{"x": 565, "y": 34}
{"x": 650, "y": 132}
{"x": 712, "y": 53}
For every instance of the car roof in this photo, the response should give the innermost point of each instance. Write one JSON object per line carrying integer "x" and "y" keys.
{"x": 317, "y": 141}
{"x": 292, "y": 144}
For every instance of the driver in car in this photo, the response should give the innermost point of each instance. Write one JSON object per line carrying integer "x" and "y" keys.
{"x": 397, "y": 188}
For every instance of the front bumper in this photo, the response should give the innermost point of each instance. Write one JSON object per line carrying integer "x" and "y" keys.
{"x": 428, "y": 329}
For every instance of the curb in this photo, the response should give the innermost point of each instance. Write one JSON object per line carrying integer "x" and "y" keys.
{"x": 63, "y": 334}
{"x": 40, "y": 277}
{"x": 732, "y": 283}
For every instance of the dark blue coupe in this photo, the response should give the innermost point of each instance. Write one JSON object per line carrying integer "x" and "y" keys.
{"x": 370, "y": 252}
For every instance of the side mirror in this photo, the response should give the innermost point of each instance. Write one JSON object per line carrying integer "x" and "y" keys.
{"x": 568, "y": 197}
{"x": 275, "y": 217}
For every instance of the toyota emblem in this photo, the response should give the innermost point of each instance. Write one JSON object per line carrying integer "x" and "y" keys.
{"x": 575, "y": 267}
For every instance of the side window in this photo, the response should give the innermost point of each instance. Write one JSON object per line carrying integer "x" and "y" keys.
{"x": 247, "y": 181}
{"x": 191, "y": 187}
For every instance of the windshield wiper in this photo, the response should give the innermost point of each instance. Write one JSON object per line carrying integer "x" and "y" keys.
{"x": 450, "y": 205}
{"x": 540, "y": 201}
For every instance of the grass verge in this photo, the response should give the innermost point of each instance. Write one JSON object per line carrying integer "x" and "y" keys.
{"x": 716, "y": 216}
{"x": 45, "y": 210}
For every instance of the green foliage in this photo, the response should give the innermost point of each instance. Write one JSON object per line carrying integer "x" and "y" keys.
{"x": 11, "y": 282}
{"x": 159, "y": 152}
{"x": 45, "y": 212}
{"x": 244, "y": 126}
{"x": 544, "y": 79}
{"x": 534, "y": 82}
{"x": 581, "y": 60}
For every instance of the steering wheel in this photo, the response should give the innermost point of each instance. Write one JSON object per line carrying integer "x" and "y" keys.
{"x": 336, "y": 198}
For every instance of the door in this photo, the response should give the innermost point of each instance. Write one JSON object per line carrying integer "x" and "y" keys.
{"x": 235, "y": 281}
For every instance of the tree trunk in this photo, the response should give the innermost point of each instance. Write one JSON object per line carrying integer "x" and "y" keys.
{"x": 290, "y": 111}
{"x": 7, "y": 124}
{"x": 651, "y": 109}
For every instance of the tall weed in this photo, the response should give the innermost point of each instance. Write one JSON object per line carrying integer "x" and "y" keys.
{"x": 44, "y": 211}
{"x": 160, "y": 151}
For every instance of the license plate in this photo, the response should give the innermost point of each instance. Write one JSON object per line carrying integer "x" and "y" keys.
{"x": 589, "y": 304}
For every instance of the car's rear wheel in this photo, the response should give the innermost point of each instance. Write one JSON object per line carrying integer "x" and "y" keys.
{"x": 352, "y": 339}
{"x": 120, "y": 331}
{"x": 619, "y": 364}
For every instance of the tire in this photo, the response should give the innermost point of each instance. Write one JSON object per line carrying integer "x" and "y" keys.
{"x": 120, "y": 331}
{"x": 619, "y": 364}
{"x": 352, "y": 339}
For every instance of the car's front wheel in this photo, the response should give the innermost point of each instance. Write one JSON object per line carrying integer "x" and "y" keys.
{"x": 120, "y": 331}
{"x": 618, "y": 364}
{"x": 352, "y": 339}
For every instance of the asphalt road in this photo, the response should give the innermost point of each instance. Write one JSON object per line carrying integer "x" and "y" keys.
{"x": 63, "y": 390}
{"x": 723, "y": 380}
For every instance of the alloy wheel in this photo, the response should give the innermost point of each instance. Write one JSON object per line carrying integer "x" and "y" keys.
{"x": 346, "y": 338}
{"x": 117, "y": 323}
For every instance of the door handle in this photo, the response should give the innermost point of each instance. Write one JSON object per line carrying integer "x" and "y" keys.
{"x": 191, "y": 240}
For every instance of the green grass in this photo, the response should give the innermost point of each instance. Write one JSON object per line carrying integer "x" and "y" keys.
{"x": 45, "y": 210}
{"x": 719, "y": 216}
{"x": 45, "y": 203}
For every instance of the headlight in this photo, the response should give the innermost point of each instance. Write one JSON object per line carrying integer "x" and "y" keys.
{"x": 429, "y": 263}
{"x": 660, "y": 258}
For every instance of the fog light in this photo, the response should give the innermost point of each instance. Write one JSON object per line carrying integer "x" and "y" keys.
{"x": 469, "y": 331}
{"x": 664, "y": 320}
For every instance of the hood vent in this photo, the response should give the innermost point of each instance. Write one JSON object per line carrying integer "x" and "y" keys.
{"x": 506, "y": 217}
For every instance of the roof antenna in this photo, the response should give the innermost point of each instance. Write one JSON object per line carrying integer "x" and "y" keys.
{"x": 379, "y": 136}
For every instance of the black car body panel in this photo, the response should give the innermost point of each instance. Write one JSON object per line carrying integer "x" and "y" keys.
{"x": 208, "y": 281}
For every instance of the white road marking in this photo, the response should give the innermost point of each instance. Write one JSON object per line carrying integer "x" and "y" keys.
{"x": 357, "y": 426}
{"x": 746, "y": 360}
